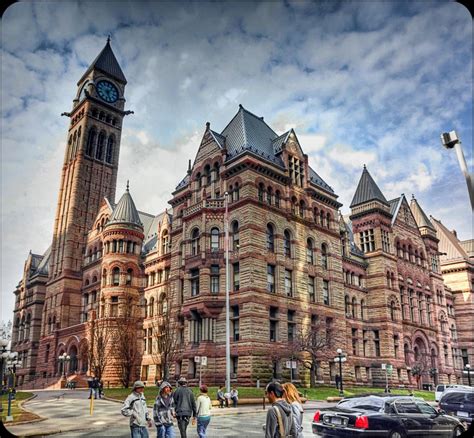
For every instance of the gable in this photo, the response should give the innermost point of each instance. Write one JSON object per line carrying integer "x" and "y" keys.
{"x": 293, "y": 146}
{"x": 404, "y": 215}
{"x": 208, "y": 148}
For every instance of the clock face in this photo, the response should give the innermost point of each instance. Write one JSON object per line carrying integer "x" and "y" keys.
{"x": 107, "y": 91}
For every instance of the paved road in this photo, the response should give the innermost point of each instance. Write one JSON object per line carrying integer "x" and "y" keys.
{"x": 68, "y": 416}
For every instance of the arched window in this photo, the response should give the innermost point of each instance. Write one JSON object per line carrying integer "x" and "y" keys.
{"x": 362, "y": 309}
{"x": 214, "y": 239}
{"x": 302, "y": 208}
{"x": 164, "y": 242}
{"x": 216, "y": 172}
{"x": 269, "y": 195}
{"x": 310, "y": 251}
{"x": 116, "y": 276}
{"x": 270, "y": 238}
{"x": 392, "y": 310}
{"x": 235, "y": 236}
{"x": 328, "y": 220}
{"x": 321, "y": 218}
{"x": 195, "y": 242}
{"x": 145, "y": 304}
{"x": 129, "y": 276}
{"x": 261, "y": 191}
{"x": 207, "y": 173}
{"x": 277, "y": 199}
{"x": 27, "y": 326}
{"x": 91, "y": 142}
{"x": 151, "y": 310}
{"x": 354, "y": 307}
{"x": 99, "y": 154}
{"x": 324, "y": 256}
{"x": 294, "y": 205}
{"x": 287, "y": 243}
{"x": 108, "y": 119}
{"x": 347, "y": 305}
{"x": 236, "y": 194}
{"x": 406, "y": 352}
{"x": 101, "y": 115}
{"x": 110, "y": 150}
{"x": 198, "y": 181}
{"x": 104, "y": 277}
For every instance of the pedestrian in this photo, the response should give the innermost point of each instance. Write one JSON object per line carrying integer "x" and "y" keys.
{"x": 95, "y": 385}
{"x": 338, "y": 381}
{"x": 135, "y": 407}
{"x": 185, "y": 405}
{"x": 163, "y": 412}
{"x": 90, "y": 385}
{"x": 234, "y": 396}
{"x": 279, "y": 422}
{"x": 292, "y": 396}
{"x": 203, "y": 411}
{"x": 221, "y": 398}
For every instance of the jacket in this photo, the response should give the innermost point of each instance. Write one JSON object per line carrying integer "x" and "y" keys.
{"x": 203, "y": 406}
{"x": 135, "y": 407}
{"x": 184, "y": 402}
{"x": 272, "y": 430}
{"x": 297, "y": 412}
{"x": 163, "y": 410}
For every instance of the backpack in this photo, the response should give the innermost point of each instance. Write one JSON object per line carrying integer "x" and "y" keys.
{"x": 280, "y": 423}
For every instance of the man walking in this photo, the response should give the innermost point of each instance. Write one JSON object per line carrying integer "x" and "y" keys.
{"x": 135, "y": 407}
{"x": 185, "y": 406}
{"x": 163, "y": 412}
{"x": 279, "y": 422}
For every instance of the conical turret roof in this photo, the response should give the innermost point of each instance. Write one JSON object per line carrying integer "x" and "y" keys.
{"x": 419, "y": 215}
{"x": 107, "y": 63}
{"x": 125, "y": 211}
{"x": 367, "y": 190}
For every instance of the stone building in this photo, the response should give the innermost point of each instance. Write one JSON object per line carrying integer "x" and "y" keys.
{"x": 369, "y": 284}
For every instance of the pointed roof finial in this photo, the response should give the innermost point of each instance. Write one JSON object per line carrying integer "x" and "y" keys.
{"x": 365, "y": 167}
{"x": 208, "y": 125}
{"x": 108, "y": 38}
{"x": 128, "y": 185}
{"x": 412, "y": 196}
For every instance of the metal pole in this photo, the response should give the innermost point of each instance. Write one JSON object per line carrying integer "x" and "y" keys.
{"x": 341, "y": 391}
{"x": 463, "y": 166}
{"x": 227, "y": 292}
{"x": 386, "y": 379}
{"x": 200, "y": 371}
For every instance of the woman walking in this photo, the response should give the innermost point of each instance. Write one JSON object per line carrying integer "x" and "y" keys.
{"x": 293, "y": 398}
{"x": 203, "y": 409}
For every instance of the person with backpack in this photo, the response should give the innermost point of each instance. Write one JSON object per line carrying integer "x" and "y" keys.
{"x": 292, "y": 396}
{"x": 279, "y": 422}
{"x": 185, "y": 406}
{"x": 135, "y": 407}
{"x": 203, "y": 411}
{"x": 163, "y": 412}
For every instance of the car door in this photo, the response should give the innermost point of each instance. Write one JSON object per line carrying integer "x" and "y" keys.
{"x": 440, "y": 426}
{"x": 415, "y": 423}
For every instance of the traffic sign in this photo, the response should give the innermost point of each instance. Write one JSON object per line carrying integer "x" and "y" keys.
{"x": 203, "y": 361}
{"x": 197, "y": 359}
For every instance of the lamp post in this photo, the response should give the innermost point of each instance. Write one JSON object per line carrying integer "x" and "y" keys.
{"x": 63, "y": 359}
{"x": 468, "y": 370}
{"x": 227, "y": 297}
{"x": 3, "y": 356}
{"x": 12, "y": 364}
{"x": 340, "y": 358}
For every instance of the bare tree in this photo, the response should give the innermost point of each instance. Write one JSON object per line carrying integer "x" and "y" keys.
{"x": 99, "y": 340}
{"x": 126, "y": 329}
{"x": 165, "y": 333}
{"x": 419, "y": 368}
{"x": 315, "y": 343}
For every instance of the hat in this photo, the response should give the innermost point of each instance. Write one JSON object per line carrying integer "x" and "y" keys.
{"x": 182, "y": 381}
{"x": 138, "y": 384}
{"x": 164, "y": 385}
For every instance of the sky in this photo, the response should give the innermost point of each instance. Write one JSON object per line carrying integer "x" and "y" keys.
{"x": 372, "y": 83}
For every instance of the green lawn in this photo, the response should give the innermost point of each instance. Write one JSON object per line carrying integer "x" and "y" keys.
{"x": 319, "y": 393}
{"x": 17, "y": 412}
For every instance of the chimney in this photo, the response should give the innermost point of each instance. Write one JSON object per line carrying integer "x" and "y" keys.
{"x": 455, "y": 233}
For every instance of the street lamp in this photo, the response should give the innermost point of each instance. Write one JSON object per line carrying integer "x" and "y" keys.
{"x": 227, "y": 295}
{"x": 63, "y": 359}
{"x": 12, "y": 364}
{"x": 3, "y": 356}
{"x": 340, "y": 358}
{"x": 468, "y": 370}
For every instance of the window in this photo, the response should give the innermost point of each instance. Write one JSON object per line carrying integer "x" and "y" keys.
{"x": 347, "y": 305}
{"x": 99, "y": 153}
{"x": 115, "y": 276}
{"x": 235, "y": 236}
{"x": 326, "y": 292}
{"x": 324, "y": 256}
{"x": 367, "y": 240}
{"x": 287, "y": 244}
{"x": 270, "y": 238}
{"x": 129, "y": 276}
{"x": 309, "y": 252}
{"x": 261, "y": 191}
{"x": 91, "y": 142}
{"x": 273, "y": 324}
{"x": 269, "y": 196}
{"x": 354, "y": 341}
{"x": 392, "y": 310}
{"x": 411, "y": 304}
{"x": 296, "y": 170}
{"x": 395, "y": 345}
{"x": 277, "y": 199}
{"x": 288, "y": 283}
{"x": 465, "y": 357}
{"x": 362, "y": 309}
{"x": 401, "y": 302}
{"x": 194, "y": 279}
{"x": 271, "y": 278}
{"x": 236, "y": 276}
{"x": 235, "y": 323}
{"x": 214, "y": 240}
{"x": 291, "y": 325}
{"x": 385, "y": 241}
{"x": 165, "y": 242}
{"x": 110, "y": 150}
{"x": 364, "y": 342}
{"x": 195, "y": 242}
{"x": 214, "y": 279}
{"x": 354, "y": 307}
{"x": 377, "y": 343}
{"x": 311, "y": 289}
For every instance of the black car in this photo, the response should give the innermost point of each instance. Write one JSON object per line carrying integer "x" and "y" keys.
{"x": 459, "y": 402}
{"x": 384, "y": 416}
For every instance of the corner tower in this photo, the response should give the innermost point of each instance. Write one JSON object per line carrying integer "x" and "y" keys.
{"x": 89, "y": 174}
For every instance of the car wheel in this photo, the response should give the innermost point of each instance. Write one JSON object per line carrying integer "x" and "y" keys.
{"x": 458, "y": 430}
{"x": 396, "y": 434}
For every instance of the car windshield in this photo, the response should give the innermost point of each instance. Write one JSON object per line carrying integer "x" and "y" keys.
{"x": 440, "y": 388}
{"x": 458, "y": 397}
{"x": 366, "y": 403}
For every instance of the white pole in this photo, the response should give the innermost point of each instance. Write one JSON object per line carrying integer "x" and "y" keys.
{"x": 227, "y": 288}
{"x": 465, "y": 171}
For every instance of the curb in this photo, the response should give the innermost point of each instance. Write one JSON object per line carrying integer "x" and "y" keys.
{"x": 20, "y": 405}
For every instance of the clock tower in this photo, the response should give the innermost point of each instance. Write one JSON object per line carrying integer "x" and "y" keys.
{"x": 89, "y": 173}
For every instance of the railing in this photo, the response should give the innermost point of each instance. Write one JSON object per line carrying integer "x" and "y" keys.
{"x": 205, "y": 203}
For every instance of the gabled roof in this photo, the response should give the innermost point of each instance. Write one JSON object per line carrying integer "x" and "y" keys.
{"x": 354, "y": 248}
{"x": 279, "y": 141}
{"x": 367, "y": 190}
{"x": 125, "y": 211}
{"x": 220, "y": 139}
{"x": 107, "y": 63}
{"x": 448, "y": 242}
{"x": 317, "y": 180}
{"x": 419, "y": 215}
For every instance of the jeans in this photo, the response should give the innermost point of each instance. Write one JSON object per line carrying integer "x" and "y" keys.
{"x": 138, "y": 432}
{"x": 234, "y": 401}
{"x": 183, "y": 425}
{"x": 165, "y": 431}
{"x": 202, "y": 423}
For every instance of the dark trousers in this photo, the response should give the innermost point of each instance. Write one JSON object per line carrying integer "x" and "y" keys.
{"x": 183, "y": 423}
